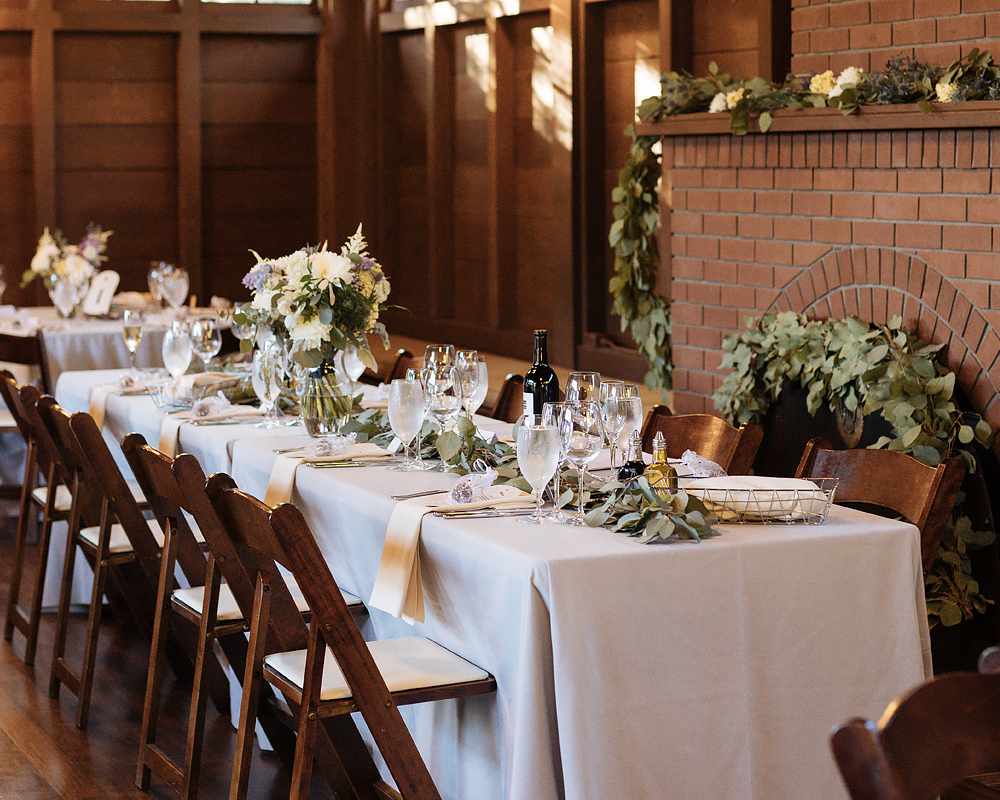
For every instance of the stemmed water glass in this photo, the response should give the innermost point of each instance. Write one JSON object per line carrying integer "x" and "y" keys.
{"x": 206, "y": 339}
{"x": 406, "y": 416}
{"x": 482, "y": 387}
{"x": 614, "y": 418}
{"x": 441, "y": 396}
{"x": 581, "y": 430}
{"x": 631, "y": 411}
{"x": 551, "y": 415}
{"x": 154, "y": 279}
{"x": 174, "y": 287}
{"x": 467, "y": 375}
{"x": 132, "y": 331}
{"x": 268, "y": 366}
{"x": 177, "y": 348}
{"x": 583, "y": 386}
{"x": 439, "y": 355}
{"x": 538, "y": 447}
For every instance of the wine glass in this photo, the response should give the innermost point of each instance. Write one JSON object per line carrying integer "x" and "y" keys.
{"x": 406, "y": 416}
{"x": 442, "y": 397}
{"x": 538, "y": 446}
{"x": 177, "y": 348}
{"x": 551, "y": 414}
{"x": 132, "y": 331}
{"x": 632, "y": 413}
{"x": 583, "y": 386}
{"x": 206, "y": 339}
{"x": 63, "y": 295}
{"x": 482, "y": 387}
{"x": 174, "y": 287}
{"x": 439, "y": 355}
{"x": 268, "y": 365}
{"x": 614, "y": 418}
{"x": 467, "y": 374}
{"x": 581, "y": 430}
{"x": 154, "y": 279}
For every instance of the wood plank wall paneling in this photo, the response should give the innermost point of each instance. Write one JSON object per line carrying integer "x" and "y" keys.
{"x": 258, "y": 155}
{"x": 17, "y": 195}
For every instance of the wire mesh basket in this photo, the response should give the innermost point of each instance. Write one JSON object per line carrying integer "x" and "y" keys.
{"x": 776, "y": 500}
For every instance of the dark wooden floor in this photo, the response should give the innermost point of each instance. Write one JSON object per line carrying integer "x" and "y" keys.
{"x": 44, "y": 756}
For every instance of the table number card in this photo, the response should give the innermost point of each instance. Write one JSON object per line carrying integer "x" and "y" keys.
{"x": 97, "y": 303}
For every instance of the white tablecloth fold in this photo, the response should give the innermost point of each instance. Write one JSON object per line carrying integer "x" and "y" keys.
{"x": 171, "y": 426}
{"x": 281, "y": 484}
{"x": 398, "y": 587}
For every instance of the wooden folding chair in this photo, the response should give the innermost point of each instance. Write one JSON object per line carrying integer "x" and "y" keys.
{"x": 709, "y": 436}
{"x": 360, "y": 676}
{"x": 922, "y": 494}
{"x": 279, "y": 625}
{"x": 116, "y": 537}
{"x": 29, "y": 353}
{"x": 510, "y": 399}
{"x": 931, "y": 742}
{"x": 207, "y": 604}
{"x": 52, "y": 500}
{"x": 403, "y": 362}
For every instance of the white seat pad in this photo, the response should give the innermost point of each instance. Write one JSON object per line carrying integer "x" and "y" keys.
{"x": 409, "y": 663}
{"x": 64, "y": 498}
{"x": 7, "y": 420}
{"x": 228, "y": 611}
{"x": 119, "y": 539}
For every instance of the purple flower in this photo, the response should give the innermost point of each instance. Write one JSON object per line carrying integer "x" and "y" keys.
{"x": 255, "y": 279}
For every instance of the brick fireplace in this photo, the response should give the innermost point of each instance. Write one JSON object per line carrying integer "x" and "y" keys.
{"x": 888, "y": 212}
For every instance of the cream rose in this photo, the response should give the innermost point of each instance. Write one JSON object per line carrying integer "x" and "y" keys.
{"x": 733, "y": 97}
{"x": 719, "y": 103}
{"x": 328, "y": 268}
{"x": 945, "y": 92}
{"x": 822, "y": 83}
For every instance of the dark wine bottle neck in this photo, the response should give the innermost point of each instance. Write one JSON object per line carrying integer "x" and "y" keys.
{"x": 541, "y": 348}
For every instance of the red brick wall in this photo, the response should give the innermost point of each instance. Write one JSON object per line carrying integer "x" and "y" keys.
{"x": 833, "y": 34}
{"x": 849, "y": 222}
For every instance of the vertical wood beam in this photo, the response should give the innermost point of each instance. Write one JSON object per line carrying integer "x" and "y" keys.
{"x": 326, "y": 196}
{"x": 567, "y": 323}
{"x": 189, "y": 156}
{"x": 439, "y": 54}
{"x": 500, "y": 134}
{"x": 43, "y": 112}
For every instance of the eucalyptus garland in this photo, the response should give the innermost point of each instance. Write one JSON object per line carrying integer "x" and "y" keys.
{"x": 634, "y": 510}
{"x": 884, "y": 370}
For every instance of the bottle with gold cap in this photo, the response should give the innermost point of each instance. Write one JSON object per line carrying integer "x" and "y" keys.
{"x": 661, "y": 475}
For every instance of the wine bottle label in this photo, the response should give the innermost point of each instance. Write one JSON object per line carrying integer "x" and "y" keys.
{"x": 529, "y": 403}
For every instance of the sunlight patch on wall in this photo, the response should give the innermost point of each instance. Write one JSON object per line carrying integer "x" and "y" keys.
{"x": 647, "y": 74}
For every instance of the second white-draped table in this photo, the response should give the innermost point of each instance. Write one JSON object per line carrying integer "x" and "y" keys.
{"x": 679, "y": 670}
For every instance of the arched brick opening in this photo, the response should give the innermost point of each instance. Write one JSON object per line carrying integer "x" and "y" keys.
{"x": 878, "y": 283}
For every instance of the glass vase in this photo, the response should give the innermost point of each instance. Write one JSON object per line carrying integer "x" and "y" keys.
{"x": 325, "y": 402}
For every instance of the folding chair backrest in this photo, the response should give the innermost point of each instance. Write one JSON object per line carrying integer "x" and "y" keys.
{"x": 922, "y": 494}
{"x": 709, "y": 436}
{"x": 86, "y": 492}
{"x": 509, "y": 404}
{"x": 28, "y": 351}
{"x": 404, "y": 360}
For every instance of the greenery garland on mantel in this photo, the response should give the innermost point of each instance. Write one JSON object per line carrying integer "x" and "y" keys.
{"x": 880, "y": 369}
{"x": 633, "y": 234}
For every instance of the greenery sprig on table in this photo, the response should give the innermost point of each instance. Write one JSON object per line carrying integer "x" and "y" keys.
{"x": 884, "y": 370}
{"x": 634, "y": 510}
{"x": 633, "y": 234}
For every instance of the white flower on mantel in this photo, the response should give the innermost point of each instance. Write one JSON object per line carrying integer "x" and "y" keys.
{"x": 719, "y": 103}
{"x": 822, "y": 83}
{"x": 852, "y": 76}
{"x": 733, "y": 97}
{"x": 945, "y": 92}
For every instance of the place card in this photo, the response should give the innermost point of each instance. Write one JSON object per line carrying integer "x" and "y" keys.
{"x": 97, "y": 303}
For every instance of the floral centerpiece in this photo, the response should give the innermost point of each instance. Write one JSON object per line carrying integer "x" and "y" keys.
{"x": 56, "y": 258}
{"x": 318, "y": 303}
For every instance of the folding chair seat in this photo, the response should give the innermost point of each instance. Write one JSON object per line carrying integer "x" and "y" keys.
{"x": 337, "y": 673}
{"x": 52, "y": 500}
{"x": 933, "y": 741}
{"x": 207, "y": 603}
{"x": 711, "y": 437}
{"x": 922, "y": 494}
{"x": 107, "y": 524}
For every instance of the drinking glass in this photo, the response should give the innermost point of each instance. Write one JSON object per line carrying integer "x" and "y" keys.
{"x": 581, "y": 430}
{"x": 467, "y": 374}
{"x": 614, "y": 418}
{"x": 132, "y": 331}
{"x": 538, "y": 446}
{"x": 177, "y": 348}
{"x": 606, "y": 388}
{"x": 632, "y": 413}
{"x": 206, "y": 339}
{"x": 442, "y": 398}
{"x": 439, "y": 355}
{"x": 551, "y": 414}
{"x": 583, "y": 386}
{"x": 154, "y": 279}
{"x": 174, "y": 287}
{"x": 268, "y": 366}
{"x": 406, "y": 416}
{"x": 64, "y": 296}
{"x": 482, "y": 387}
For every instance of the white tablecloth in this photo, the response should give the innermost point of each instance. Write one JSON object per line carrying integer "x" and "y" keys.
{"x": 684, "y": 670}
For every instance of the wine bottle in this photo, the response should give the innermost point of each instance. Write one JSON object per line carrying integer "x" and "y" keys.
{"x": 541, "y": 385}
{"x": 634, "y": 466}
{"x": 661, "y": 474}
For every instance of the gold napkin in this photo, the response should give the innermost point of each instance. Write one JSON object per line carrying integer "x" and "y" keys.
{"x": 398, "y": 587}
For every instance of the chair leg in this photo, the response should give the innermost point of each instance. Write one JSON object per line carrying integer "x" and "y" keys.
{"x": 44, "y": 541}
{"x": 20, "y": 545}
{"x": 59, "y": 673}
{"x": 86, "y": 684}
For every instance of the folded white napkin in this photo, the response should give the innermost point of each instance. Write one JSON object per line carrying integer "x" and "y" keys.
{"x": 171, "y": 426}
{"x": 129, "y": 300}
{"x": 752, "y": 497}
{"x": 204, "y": 378}
{"x": 281, "y": 484}
{"x": 377, "y": 397}
{"x": 398, "y": 587}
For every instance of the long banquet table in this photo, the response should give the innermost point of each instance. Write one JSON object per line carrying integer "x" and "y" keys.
{"x": 680, "y": 670}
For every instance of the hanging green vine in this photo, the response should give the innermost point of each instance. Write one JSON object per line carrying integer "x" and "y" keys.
{"x": 883, "y": 370}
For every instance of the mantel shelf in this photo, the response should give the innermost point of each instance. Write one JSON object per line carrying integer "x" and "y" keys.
{"x": 971, "y": 114}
